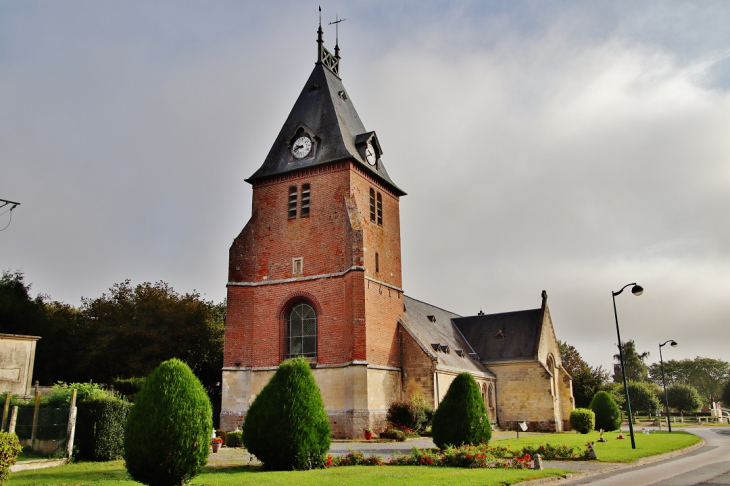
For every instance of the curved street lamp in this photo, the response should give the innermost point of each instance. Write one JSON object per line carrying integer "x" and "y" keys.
{"x": 673, "y": 344}
{"x": 636, "y": 290}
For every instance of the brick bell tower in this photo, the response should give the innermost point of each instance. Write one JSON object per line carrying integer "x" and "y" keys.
{"x": 316, "y": 271}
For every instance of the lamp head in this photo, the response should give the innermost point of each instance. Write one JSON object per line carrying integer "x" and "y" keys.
{"x": 637, "y": 290}
{"x": 673, "y": 344}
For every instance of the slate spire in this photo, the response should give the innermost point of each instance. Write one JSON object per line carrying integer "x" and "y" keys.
{"x": 324, "y": 113}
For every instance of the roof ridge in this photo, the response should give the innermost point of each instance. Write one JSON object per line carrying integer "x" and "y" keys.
{"x": 501, "y": 313}
{"x": 431, "y": 305}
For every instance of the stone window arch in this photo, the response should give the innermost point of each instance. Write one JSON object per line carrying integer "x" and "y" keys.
{"x": 301, "y": 330}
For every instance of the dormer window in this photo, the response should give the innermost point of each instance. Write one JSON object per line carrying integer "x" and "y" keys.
{"x": 432, "y": 318}
{"x": 499, "y": 335}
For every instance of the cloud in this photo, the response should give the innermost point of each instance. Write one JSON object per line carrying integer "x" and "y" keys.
{"x": 564, "y": 146}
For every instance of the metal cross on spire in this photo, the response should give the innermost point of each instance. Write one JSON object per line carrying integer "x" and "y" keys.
{"x": 337, "y": 34}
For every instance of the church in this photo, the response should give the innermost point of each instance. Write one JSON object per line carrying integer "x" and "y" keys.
{"x": 316, "y": 272}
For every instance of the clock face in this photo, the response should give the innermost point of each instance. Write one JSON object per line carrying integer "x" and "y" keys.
{"x": 370, "y": 154}
{"x": 302, "y": 147}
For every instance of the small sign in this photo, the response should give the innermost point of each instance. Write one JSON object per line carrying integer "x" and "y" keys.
{"x": 523, "y": 426}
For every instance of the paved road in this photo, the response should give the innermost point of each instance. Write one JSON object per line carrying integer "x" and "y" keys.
{"x": 707, "y": 466}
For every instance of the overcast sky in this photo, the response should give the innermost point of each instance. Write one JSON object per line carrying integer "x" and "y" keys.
{"x": 573, "y": 147}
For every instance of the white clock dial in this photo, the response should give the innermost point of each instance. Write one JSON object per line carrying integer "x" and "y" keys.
{"x": 302, "y": 147}
{"x": 370, "y": 154}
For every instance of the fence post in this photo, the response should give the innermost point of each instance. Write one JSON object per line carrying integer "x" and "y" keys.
{"x": 13, "y": 419}
{"x": 5, "y": 410}
{"x": 35, "y": 419}
{"x": 71, "y": 431}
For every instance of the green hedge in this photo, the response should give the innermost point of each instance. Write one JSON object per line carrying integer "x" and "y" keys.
{"x": 100, "y": 428}
{"x": 583, "y": 420}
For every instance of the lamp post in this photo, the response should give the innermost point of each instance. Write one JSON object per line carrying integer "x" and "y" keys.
{"x": 636, "y": 290}
{"x": 673, "y": 344}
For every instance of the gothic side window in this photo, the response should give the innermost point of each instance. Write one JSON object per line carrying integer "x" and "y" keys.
{"x": 380, "y": 209}
{"x": 372, "y": 205}
{"x": 304, "y": 211}
{"x": 292, "y": 211}
{"x": 301, "y": 330}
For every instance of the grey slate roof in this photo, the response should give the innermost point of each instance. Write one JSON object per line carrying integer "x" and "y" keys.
{"x": 325, "y": 108}
{"x": 439, "y": 330}
{"x": 520, "y": 330}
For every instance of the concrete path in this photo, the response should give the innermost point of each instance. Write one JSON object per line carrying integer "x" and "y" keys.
{"x": 706, "y": 465}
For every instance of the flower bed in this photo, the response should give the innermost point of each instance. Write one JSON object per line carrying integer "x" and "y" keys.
{"x": 480, "y": 456}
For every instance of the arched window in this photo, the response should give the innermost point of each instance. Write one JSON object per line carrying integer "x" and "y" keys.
{"x": 301, "y": 331}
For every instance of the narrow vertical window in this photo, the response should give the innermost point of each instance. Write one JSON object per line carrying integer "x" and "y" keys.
{"x": 380, "y": 209}
{"x": 304, "y": 211}
{"x": 377, "y": 263}
{"x": 372, "y": 205}
{"x": 298, "y": 266}
{"x": 292, "y": 202}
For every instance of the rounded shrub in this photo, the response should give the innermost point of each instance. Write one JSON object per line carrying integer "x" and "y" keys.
{"x": 168, "y": 429}
{"x": 9, "y": 450}
{"x": 461, "y": 417}
{"x": 234, "y": 439}
{"x": 608, "y": 415}
{"x": 286, "y": 426}
{"x": 414, "y": 414}
{"x": 583, "y": 420}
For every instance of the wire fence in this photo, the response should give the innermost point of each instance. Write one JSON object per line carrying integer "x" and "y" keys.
{"x": 52, "y": 423}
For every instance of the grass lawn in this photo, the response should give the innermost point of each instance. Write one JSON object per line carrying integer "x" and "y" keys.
{"x": 114, "y": 473}
{"x": 614, "y": 450}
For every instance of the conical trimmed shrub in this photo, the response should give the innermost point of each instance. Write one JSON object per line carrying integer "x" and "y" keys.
{"x": 461, "y": 417}
{"x": 168, "y": 429}
{"x": 287, "y": 426}
{"x": 608, "y": 415}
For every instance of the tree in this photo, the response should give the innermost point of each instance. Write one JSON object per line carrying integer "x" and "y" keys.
{"x": 643, "y": 398}
{"x": 168, "y": 429}
{"x": 725, "y": 397}
{"x": 707, "y": 375}
{"x": 608, "y": 415}
{"x": 286, "y": 426}
{"x": 684, "y": 398}
{"x": 57, "y": 324}
{"x": 636, "y": 369}
{"x": 461, "y": 417}
{"x": 132, "y": 329}
{"x": 587, "y": 380}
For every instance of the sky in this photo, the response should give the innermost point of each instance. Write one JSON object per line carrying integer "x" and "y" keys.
{"x": 572, "y": 147}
